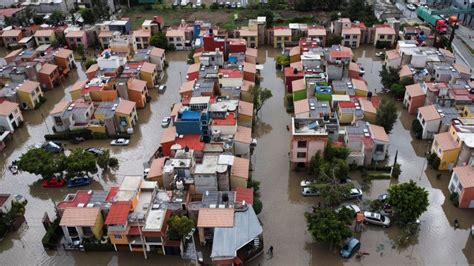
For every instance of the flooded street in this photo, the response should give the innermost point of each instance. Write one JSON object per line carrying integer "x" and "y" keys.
{"x": 283, "y": 206}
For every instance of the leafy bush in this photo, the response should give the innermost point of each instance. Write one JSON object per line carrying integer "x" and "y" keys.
{"x": 113, "y": 162}
{"x": 89, "y": 63}
{"x": 214, "y": 6}
{"x": 434, "y": 161}
{"x": 52, "y": 236}
{"x": 373, "y": 176}
{"x": 454, "y": 197}
{"x": 417, "y": 128}
{"x": 68, "y": 135}
{"x": 397, "y": 89}
{"x": 257, "y": 205}
{"x": 289, "y": 103}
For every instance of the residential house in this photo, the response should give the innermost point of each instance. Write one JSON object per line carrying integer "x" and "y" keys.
{"x": 381, "y": 142}
{"x": 76, "y": 39}
{"x": 156, "y": 171}
{"x": 117, "y": 221}
{"x": 176, "y": 37}
{"x": 430, "y": 120}
{"x": 242, "y": 141}
{"x": 346, "y": 112}
{"x": 299, "y": 89}
{"x": 251, "y": 55}
{"x": 351, "y": 37}
{"x": 406, "y": 73}
{"x": 10, "y": 116}
{"x": 319, "y": 33}
{"x": 250, "y": 72}
{"x": 104, "y": 39}
{"x": 157, "y": 57}
{"x": 79, "y": 224}
{"x": 384, "y": 36}
{"x": 64, "y": 59}
{"x": 295, "y": 54}
{"x": 462, "y": 183}
{"x": 193, "y": 71}
{"x": 186, "y": 91}
{"x": 239, "y": 173}
{"x": 149, "y": 73}
{"x": 354, "y": 71}
{"x": 71, "y": 115}
{"x": 141, "y": 39}
{"x": 30, "y": 94}
{"x": 468, "y": 111}
{"x": 360, "y": 87}
{"x": 301, "y": 108}
{"x": 137, "y": 92}
{"x": 245, "y": 116}
{"x": 104, "y": 118}
{"x": 45, "y": 36}
{"x": 369, "y": 110}
{"x": 308, "y": 136}
{"x": 464, "y": 131}
{"x": 126, "y": 115}
{"x": 393, "y": 58}
{"x": 246, "y": 91}
{"x": 446, "y": 146}
{"x": 414, "y": 98}
{"x": 281, "y": 35}
{"x": 368, "y": 143}
{"x": 11, "y": 37}
{"x": 49, "y": 76}
{"x": 44, "y": 7}
{"x": 250, "y": 36}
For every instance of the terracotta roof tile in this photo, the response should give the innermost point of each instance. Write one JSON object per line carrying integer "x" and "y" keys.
{"x": 118, "y": 213}
{"x": 429, "y": 112}
{"x": 59, "y": 107}
{"x": 29, "y": 86}
{"x": 157, "y": 52}
{"x": 241, "y": 167}
{"x": 250, "y": 68}
{"x": 48, "y": 69}
{"x": 243, "y": 134}
{"x": 244, "y": 194}
{"x": 187, "y": 86}
{"x": 156, "y": 167}
{"x": 445, "y": 141}
{"x": 378, "y": 133}
{"x": 169, "y": 135}
{"x": 465, "y": 175}
{"x": 246, "y": 108}
{"x": 301, "y": 106}
{"x": 209, "y": 218}
{"x": 148, "y": 67}
{"x": 79, "y": 217}
{"x": 125, "y": 107}
{"x": 414, "y": 90}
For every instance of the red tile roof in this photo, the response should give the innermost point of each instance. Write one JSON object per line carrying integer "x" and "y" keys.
{"x": 228, "y": 121}
{"x": 118, "y": 213}
{"x": 244, "y": 194}
{"x": 112, "y": 192}
{"x": 82, "y": 196}
{"x": 191, "y": 141}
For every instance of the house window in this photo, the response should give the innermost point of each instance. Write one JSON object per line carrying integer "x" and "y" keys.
{"x": 347, "y": 37}
{"x": 379, "y": 148}
{"x": 452, "y": 188}
{"x": 87, "y": 230}
{"x": 58, "y": 121}
{"x": 78, "y": 40}
{"x": 301, "y": 155}
{"x": 455, "y": 178}
{"x": 423, "y": 121}
{"x": 116, "y": 236}
{"x": 46, "y": 39}
{"x": 302, "y": 144}
{"x": 252, "y": 38}
{"x": 460, "y": 187}
{"x": 72, "y": 231}
{"x": 382, "y": 37}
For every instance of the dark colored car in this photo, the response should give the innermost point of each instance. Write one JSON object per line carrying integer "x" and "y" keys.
{"x": 350, "y": 247}
{"x": 78, "y": 181}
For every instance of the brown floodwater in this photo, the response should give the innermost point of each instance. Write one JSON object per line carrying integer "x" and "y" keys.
{"x": 283, "y": 206}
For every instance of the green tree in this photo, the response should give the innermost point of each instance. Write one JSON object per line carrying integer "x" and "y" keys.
{"x": 89, "y": 63}
{"x": 57, "y": 16}
{"x": 397, "y": 89}
{"x": 407, "y": 81}
{"x": 341, "y": 169}
{"x": 389, "y": 76}
{"x": 251, "y": 183}
{"x": 40, "y": 162}
{"x": 159, "y": 40}
{"x": 88, "y": 16}
{"x": 396, "y": 170}
{"x": 333, "y": 194}
{"x": 408, "y": 201}
{"x": 257, "y": 205}
{"x": 283, "y": 60}
{"x": 434, "y": 161}
{"x": 80, "y": 161}
{"x": 179, "y": 226}
{"x": 326, "y": 226}
{"x": 334, "y": 39}
{"x": 81, "y": 52}
{"x": 417, "y": 128}
{"x": 38, "y": 20}
{"x": 103, "y": 159}
{"x": 260, "y": 96}
{"x": 214, "y": 6}
{"x": 315, "y": 164}
{"x": 331, "y": 153}
{"x": 386, "y": 115}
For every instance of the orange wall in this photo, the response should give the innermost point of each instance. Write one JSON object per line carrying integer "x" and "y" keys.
{"x": 137, "y": 97}
{"x": 466, "y": 196}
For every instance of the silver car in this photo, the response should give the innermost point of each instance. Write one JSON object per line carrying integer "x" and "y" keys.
{"x": 376, "y": 218}
{"x": 309, "y": 191}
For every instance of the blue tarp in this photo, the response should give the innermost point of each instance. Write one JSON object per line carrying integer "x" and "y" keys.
{"x": 190, "y": 116}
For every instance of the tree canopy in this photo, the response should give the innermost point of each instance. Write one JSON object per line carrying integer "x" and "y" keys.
{"x": 386, "y": 115}
{"x": 88, "y": 16}
{"x": 260, "y": 96}
{"x": 159, "y": 40}
{"x": 389, "y": 76}
{"x": 79, "y": 161}
{"x": 40, "y": 162}
{"x": 408, "y": 201}
{"x": 326, "y": 226}
{"x": 179, "y": 226}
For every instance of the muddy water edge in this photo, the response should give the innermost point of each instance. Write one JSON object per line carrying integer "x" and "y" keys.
{"x": 282, "y": 215}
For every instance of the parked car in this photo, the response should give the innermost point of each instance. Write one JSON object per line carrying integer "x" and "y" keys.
{"x": 120, "y": 142}
{"x": 78, "y": 181}
{"x": 166, "y": 121}
{"x": 53, "y": 182}
{"x": 362, "y": 70}
{"x": 307, "y": 183}
{"x": 376, "y": 218}
{"x": 355, "y": 193}
{"x": 352, "y": 207}
{"x": 312, "y": 106}
{"x": 350, "y": 247}
{"x": 77, "y": 140}
{"x": 161, "y": 89}
{"x": 411, "y": 7}
{"x": 383, "y": 197}
{"x": 380, "y": 54}
{"x": 309, "y": 191}
{"x": 96, "y": 151}
{"x": 51, "y": 146}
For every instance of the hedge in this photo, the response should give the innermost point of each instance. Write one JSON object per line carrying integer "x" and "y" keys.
{"x": 373, "y": 176}
{"x": 68, "y": 135}
{"x": 376, "y": 168}
{"x": 299, "y": 95}
{"x": 98, "y": 247}
{"x": 52, "y": 236}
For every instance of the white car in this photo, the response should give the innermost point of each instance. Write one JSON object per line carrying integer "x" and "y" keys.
{"x": 306, "y": 183}
{"x": 352, "y": 207}
{"x": 161, "y": 89}
{"x": 411, "y": 7}
{"x": 376, "y": 218}
{"x": 166, "y": 121}
{"x": 145, "y": 172}
{"x": 120, "y": 142}
{"x": 309, "y": 191}
{"x": 355, "y": 193}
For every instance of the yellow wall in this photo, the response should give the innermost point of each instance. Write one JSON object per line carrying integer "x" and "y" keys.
{"x": 97, "y": 229}
{"x": 448, "y": 157}
{"x": 127, "y": 116}
{"x": 236, "y": 181}
{"x": 345, "y": 118}
{"x": 370, "y": 117}
{"x": 96, "y": 96}
{"x": 467, "y": 113}
{"x": 114, "y": 240}
{"x": 26, "y": 98}
{"x": 97, "y": 128}
{"x": 75, "y": 94}
{"x": 360, "y": 92}
{"x": 244, "y": 119}
{"x": 149, "y": 78}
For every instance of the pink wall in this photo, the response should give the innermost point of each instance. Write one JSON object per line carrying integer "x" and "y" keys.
{"x": 466, "y": 196}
